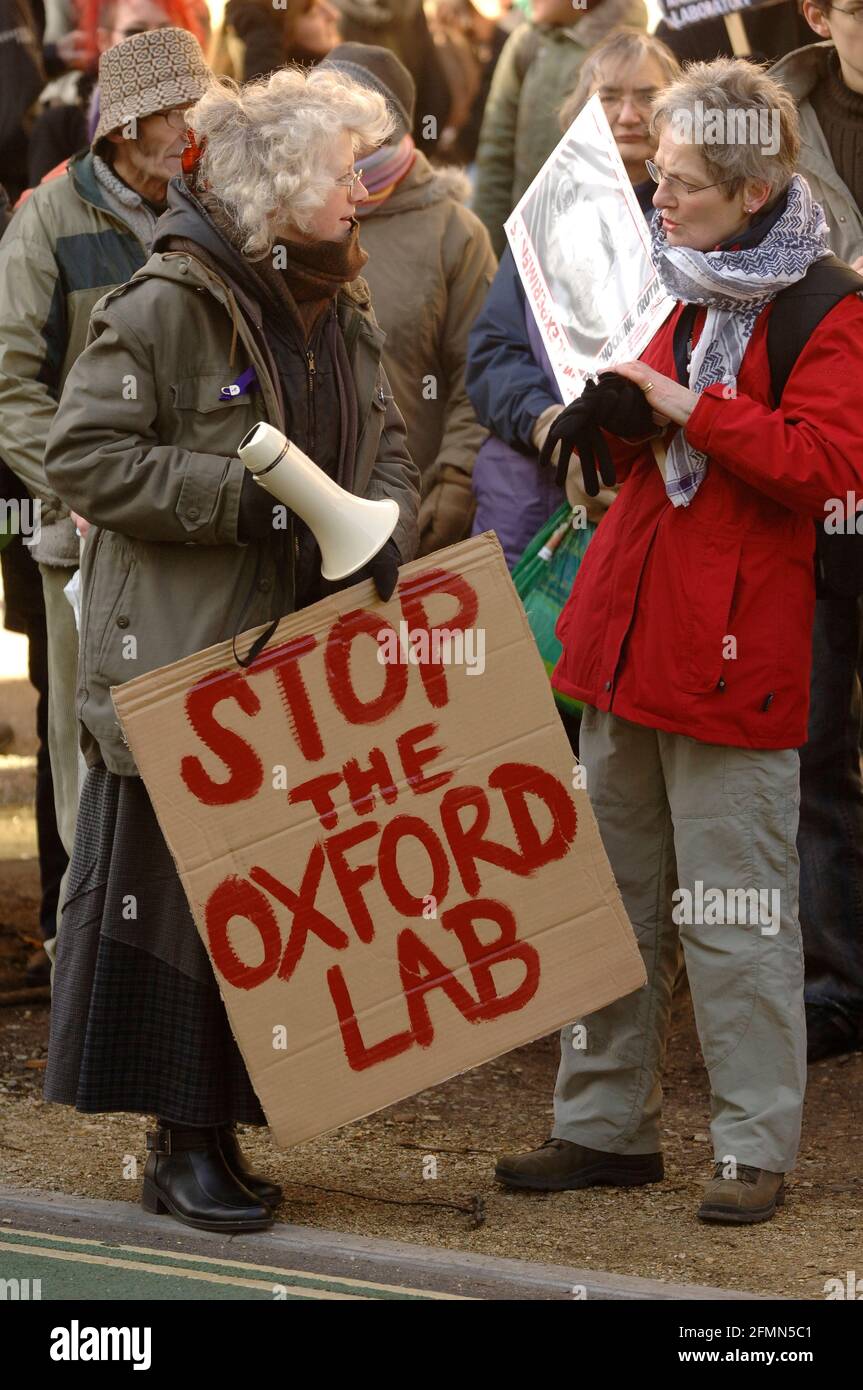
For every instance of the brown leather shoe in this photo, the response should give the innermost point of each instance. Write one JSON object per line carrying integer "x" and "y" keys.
{"x": 752, "y": 1196}
{"x": 559, "y": 1165}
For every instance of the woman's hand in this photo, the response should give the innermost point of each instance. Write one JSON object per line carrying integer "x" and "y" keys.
{"x": 594, "y": 507}
{"x": 81, "y": 522}
{"x": 858, "y": 265}
{"x": 668, "y": 399}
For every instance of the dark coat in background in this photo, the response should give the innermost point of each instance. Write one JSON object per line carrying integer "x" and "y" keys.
{"x": 401, "y": 26}
{"x": 772, "y": 32}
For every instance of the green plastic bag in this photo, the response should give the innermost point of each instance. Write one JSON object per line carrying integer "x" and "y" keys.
{"x": 543, "y": 579}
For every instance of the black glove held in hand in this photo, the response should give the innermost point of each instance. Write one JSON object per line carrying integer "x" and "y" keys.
{"x": 622, "y": 407}
{"x": 615, "y": 404}
{"x": 576, "y": 431}
{"x": 383, "y": 568}
{"x": 255, "y": 514}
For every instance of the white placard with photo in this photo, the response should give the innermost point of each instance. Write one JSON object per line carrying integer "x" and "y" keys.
{"x": 582, "y": 248}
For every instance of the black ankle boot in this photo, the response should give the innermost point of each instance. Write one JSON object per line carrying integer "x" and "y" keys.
{"x": 187, "y": 1175}
{"x": 267, "y": 1192}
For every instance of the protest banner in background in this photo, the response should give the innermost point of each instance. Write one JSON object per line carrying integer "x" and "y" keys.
{"x": 582, "y": 248}
{"x": 681, "y": 13}
{"x": 378, "y": 832}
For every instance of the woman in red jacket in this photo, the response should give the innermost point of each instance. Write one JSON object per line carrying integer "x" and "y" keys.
{"x": 688, "y": 637}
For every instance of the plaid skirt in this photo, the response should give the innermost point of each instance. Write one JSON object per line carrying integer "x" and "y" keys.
{"x": 141, "y": 1026}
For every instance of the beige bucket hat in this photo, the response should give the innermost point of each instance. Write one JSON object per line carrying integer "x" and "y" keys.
{"x": 148, "y": 73}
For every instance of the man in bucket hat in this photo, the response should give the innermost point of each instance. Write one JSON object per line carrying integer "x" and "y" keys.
{"x": 74, "y": 238}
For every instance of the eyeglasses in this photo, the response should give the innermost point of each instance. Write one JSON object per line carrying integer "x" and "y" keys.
{"x": 856, "y": 15}
{"x": 350, "y": 181}
{"x": 613, "y": 100}
{"x": 680, "y": 186}
{"x": 176, "y": 119}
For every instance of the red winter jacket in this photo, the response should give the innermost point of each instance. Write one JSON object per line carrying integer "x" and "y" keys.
{"x": 662, "y": 589}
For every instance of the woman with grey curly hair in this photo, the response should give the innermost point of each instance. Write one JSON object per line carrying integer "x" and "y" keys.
{"x": 250, "y": 308}
{"x": 276, "y": 154}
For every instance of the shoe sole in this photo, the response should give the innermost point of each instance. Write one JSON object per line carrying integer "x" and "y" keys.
{"x": 726, "y": 1216}
{"x": 272, "y": 1201}
{"x": 598, "y": 1177}
{"x": 156, "y": 1203}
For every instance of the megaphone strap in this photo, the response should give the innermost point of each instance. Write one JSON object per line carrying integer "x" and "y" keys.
{"x": 263, "y": 638}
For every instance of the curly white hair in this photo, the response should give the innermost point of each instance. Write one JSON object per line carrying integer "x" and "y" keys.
{"x": 264, "y": 144}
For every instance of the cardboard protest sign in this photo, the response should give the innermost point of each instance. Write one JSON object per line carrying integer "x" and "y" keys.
{"x": 681, "y": 13}
{"x": 582, "y": 248}
{"x": 378, "y": 834}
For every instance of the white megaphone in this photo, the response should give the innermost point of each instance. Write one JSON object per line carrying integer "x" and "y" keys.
{"x": 349, "y": 530}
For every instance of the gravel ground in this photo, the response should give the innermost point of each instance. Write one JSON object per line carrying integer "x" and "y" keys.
{"x": 374, "y": 1177}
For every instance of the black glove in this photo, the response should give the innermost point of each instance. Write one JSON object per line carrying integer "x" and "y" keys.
{"x": 255, "y": 513}
{"x": 383, "y": 568}
{"x": 615, "y": 404}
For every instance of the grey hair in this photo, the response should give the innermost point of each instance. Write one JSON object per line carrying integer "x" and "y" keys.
{"x": 264, "y": 144}
{"x": 625, "y": 46}
{"x": 740, "y": 98}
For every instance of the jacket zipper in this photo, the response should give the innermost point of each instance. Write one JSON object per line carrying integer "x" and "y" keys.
{"x": 313, "y": 424}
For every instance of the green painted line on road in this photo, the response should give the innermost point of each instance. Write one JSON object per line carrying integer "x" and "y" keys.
{"x": 180, "y": 1270}
{"x": 61, "y": 1280}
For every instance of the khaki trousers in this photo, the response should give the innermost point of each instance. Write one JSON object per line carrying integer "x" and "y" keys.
{"x": 674, "y": 812}
{"x": 67, "y": 761}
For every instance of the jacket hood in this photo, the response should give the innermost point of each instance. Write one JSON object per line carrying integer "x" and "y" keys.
{"x": 803, "y": 69}
{"x": 186, "y": 218}
{"x": 423, "y": 186}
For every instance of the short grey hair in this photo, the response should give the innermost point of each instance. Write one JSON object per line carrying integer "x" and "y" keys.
{"x": 739, "y": 97}
{"x": 264, "y": 144}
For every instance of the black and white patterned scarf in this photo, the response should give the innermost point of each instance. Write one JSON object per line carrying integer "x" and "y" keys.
{"x": 735, "y": 286}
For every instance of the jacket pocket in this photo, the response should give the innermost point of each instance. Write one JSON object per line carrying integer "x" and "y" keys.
{"x": 202, "y": 393}
{"x": 110, "y": 619}
{"x": 709, "y": 565}
{"x": 377, "y": 414}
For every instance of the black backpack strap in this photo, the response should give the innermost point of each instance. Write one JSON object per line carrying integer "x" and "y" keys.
{"x": 797, "y": 312}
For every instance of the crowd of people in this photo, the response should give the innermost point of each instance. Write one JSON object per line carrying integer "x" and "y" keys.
{"x": 298, "y": 217}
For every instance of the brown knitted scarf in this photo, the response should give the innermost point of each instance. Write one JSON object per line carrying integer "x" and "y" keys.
{"x": 314, "y": 274}
{"x": 305, "y": 277}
